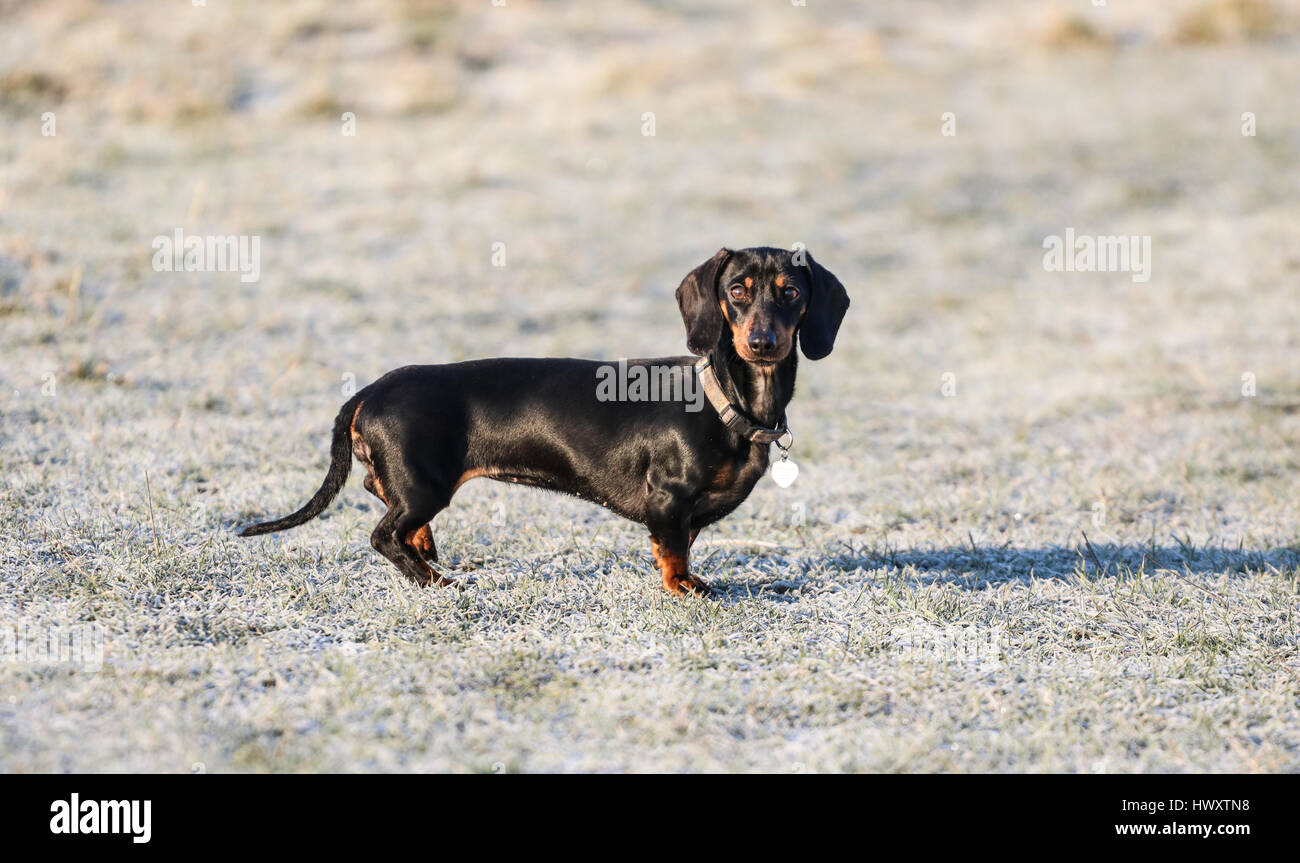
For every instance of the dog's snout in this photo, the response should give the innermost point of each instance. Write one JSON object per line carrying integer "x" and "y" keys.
{"x": 762, "y": 342}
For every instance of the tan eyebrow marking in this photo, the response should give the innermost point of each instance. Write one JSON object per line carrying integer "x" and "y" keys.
{"x": 780, "y": 281}
{"x": 749, "y": 282}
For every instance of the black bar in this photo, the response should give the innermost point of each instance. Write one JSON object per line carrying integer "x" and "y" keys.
{"x": 300, "y": 813}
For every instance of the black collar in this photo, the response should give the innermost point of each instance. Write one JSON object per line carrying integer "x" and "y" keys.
{"x": 733, "y": 417}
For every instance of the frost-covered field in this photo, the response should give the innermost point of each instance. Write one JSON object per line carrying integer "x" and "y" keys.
{"x": 922, "y": 599}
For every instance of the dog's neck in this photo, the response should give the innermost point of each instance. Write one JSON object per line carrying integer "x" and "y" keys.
{"x": 762, "y": 392}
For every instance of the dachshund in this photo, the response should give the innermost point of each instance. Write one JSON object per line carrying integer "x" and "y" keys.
{"x": 422, "y": 432}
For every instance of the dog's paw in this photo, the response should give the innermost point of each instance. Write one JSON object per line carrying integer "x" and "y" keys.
{"x": 688, "y": 585}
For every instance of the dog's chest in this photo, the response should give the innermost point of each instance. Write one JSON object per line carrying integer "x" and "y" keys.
{"x": 729, "y": 483}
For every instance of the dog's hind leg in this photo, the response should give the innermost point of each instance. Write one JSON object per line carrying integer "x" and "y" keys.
{"x": 388, "y": 540}
{"x": 420, "y": 539}
{"x": 401, "y": 536}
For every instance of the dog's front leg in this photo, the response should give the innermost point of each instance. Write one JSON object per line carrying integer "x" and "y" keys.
{"x": 671, "y": 549}
{"x": 668, "y": 516}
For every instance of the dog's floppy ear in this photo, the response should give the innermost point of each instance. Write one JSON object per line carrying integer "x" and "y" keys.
{"x": 697, "y": 297}
{"x": 826, "y": 307}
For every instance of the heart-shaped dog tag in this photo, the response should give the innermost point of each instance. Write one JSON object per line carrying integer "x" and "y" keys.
{"x": 784, "y": 472}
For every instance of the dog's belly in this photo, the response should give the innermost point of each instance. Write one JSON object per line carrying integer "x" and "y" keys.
{"x": 620, "y": 483}
{"x": 579, "y": 478}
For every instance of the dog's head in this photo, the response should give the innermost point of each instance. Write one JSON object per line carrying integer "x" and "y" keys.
{"x": 764, "y": 296}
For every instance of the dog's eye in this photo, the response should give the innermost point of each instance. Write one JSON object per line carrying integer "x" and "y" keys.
{"x": 738, "y": 292}
{"x": 790, "y": 294}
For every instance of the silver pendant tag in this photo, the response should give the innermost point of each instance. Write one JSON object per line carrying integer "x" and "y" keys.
{"x": 784, "y": 471}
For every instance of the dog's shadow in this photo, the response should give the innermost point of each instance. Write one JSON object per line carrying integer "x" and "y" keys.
{"x": 745, "y": 574}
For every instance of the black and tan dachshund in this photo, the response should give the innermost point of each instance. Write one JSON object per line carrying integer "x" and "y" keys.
{"x": 424, "y": 431}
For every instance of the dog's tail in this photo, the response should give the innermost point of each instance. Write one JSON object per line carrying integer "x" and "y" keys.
{"x": 340, "y": 466}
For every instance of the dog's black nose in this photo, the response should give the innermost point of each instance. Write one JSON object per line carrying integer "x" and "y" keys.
{"x": 762, "y": 343}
